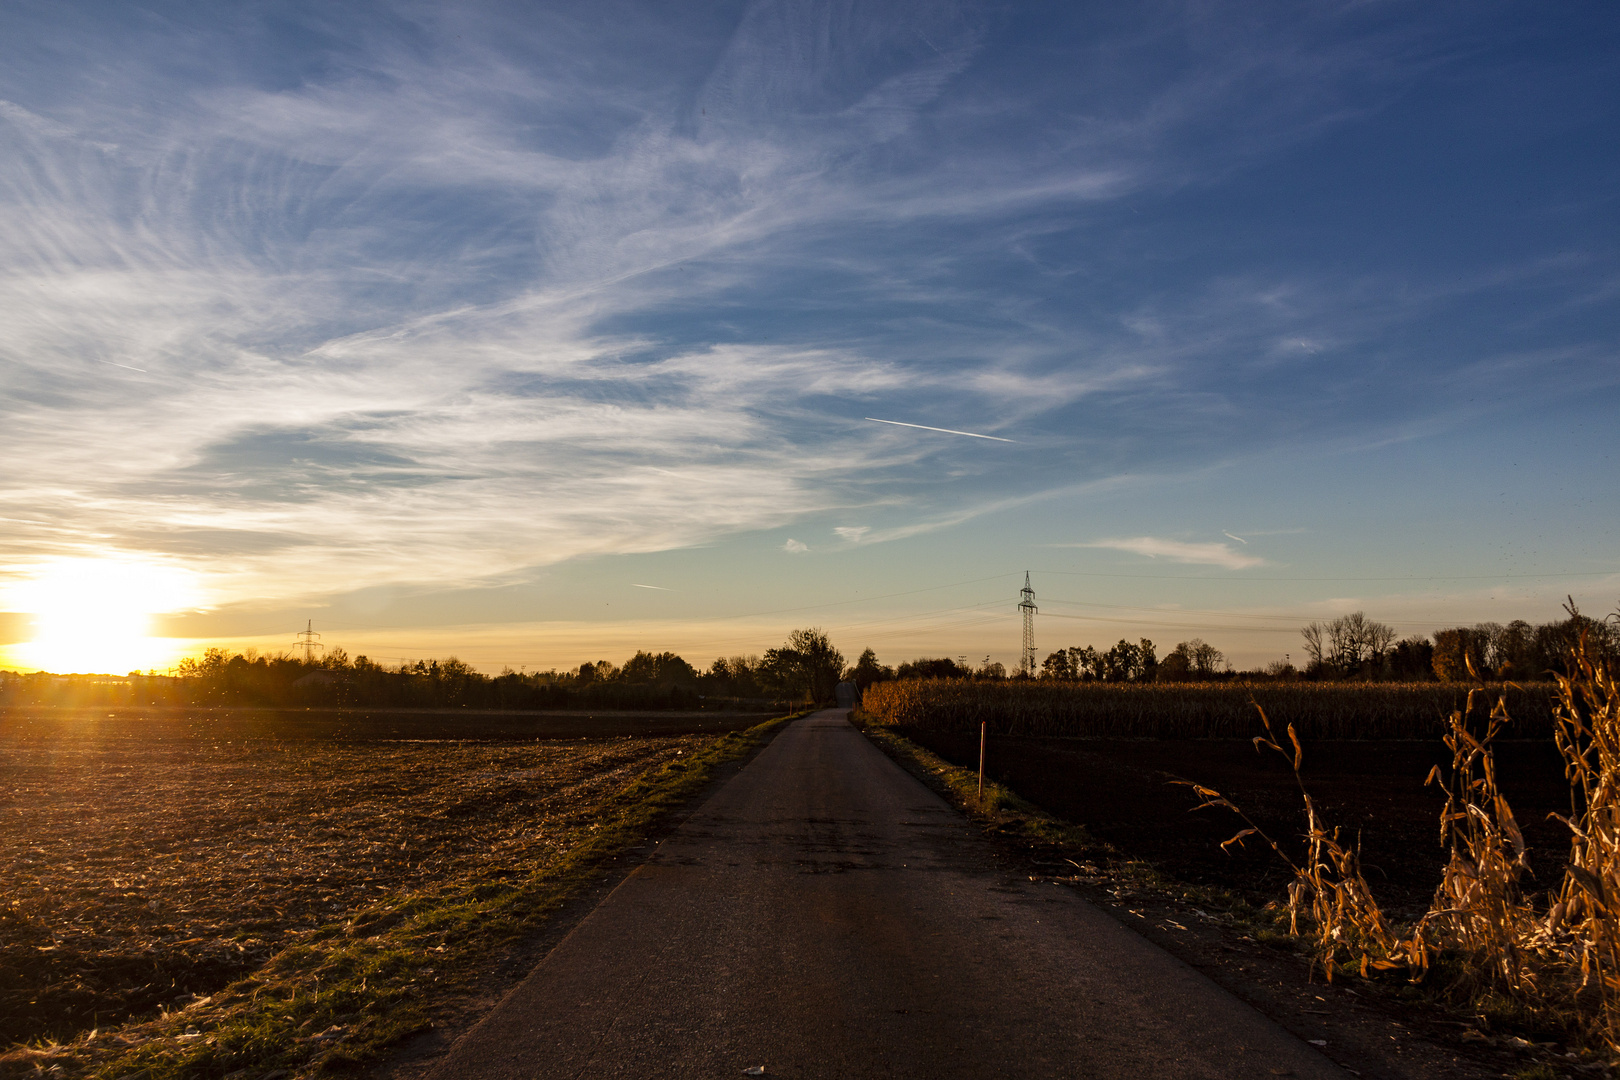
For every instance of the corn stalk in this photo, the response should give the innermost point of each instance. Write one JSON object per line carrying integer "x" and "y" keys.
{"x": 1481, "y": 912}
{"x": 1585, "y": 917}
{"x": 1328, "y": 888}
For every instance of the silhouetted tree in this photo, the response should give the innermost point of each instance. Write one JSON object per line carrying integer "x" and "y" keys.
{"x": 942, "y": 667}
{"x": 1195, "y": 659}
{"x": 868, "y": 670}
{"x": 663, "y": 669}
{"x": 1127, "y": 662}
{"x": 1060, "y": 665}
{"x": 1349, "y": 645}
{"x": 807, "y": 664}
{"x": 1412, "y": 659}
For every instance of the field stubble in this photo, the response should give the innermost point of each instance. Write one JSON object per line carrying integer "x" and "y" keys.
{"x": 150, "y": 861}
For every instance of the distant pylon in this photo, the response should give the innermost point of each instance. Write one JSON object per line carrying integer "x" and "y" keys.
{"x": 310, "y": 641}
{"x": 1027, "y": 606}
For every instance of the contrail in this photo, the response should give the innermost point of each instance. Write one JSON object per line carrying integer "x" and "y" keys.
{"x": 946, "y": 430}
{"x": 660, "y": 588}
{"x": 1239, "y": 539}
{"x": 126, "y": 367}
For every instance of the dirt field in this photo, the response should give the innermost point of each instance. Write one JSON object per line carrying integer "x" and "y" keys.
{"x": 1120, "y": 790}
{"x": 148, "y": 858}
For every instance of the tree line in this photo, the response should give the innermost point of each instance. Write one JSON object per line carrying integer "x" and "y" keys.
{"x": 806, "y": 668}
{"x": 1354, "y": 646}
{"x": 1136, "y": 661}
{"x": 1349, "y": 647}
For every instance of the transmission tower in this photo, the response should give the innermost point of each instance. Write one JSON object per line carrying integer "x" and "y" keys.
{"x": 1028, "y": 608}
{"x": 309, "y": 641}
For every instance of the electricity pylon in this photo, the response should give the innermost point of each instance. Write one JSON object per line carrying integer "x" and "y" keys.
{"x": 1027, "y": 606}
{"x": 310, "y": 641}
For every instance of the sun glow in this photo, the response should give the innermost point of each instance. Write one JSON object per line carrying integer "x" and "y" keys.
{"x": 94, "y": 615}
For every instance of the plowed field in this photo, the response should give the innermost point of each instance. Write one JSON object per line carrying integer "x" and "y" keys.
{"x": 148, "y": 859}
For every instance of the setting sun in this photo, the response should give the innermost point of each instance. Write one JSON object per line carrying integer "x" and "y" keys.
{"x": 94, "y": 615}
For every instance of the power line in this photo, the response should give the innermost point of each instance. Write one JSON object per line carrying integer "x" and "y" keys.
{"x": 1226, "y": 579}
{"x": 1175, "y": 611}
{"x": 1263, "y": 580}
{"x": 962, "y": 617}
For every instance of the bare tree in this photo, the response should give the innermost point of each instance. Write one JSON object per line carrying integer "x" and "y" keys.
{"x": 1192, "y": 659}
{"x": 1315, "y": 636}
{"x": 1206, "y": 658}
{"x": 1349, "y": 642}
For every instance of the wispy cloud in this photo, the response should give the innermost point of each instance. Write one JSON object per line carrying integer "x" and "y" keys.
{"x": 270, "y": 372}
{"x": 795, "y": 547}
{"x": 1203, "y": 554}
{"x": 468, "y": 294}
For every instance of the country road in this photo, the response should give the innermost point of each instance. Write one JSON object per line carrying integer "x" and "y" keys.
{"x": 825, "y": 915}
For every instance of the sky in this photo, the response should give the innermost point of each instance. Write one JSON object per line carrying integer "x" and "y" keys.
{"x": 542, "y": 333}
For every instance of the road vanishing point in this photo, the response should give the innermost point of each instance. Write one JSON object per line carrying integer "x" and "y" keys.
{"x": 823, "y": 914}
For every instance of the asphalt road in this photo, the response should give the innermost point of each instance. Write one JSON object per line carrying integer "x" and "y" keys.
{"x": 825, "y": 915}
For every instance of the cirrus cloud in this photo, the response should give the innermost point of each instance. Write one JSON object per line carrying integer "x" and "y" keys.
{"x": 1182, "y": 551}
{"x": 453, "y": 294}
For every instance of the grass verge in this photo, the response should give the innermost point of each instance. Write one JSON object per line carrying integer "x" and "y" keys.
{"x": 1048, "y": 840}
{"x": 1068, "y": 852}
{"x": 345, "y": 993}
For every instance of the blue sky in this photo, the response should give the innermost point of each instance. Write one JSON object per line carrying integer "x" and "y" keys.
{"x": 451, "y": 330}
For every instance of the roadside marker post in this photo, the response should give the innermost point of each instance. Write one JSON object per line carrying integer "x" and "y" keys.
{"x": 982, "y": 725}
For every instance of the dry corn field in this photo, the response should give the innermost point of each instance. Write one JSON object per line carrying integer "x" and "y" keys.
{"x": 1192, "y": 710}
{"x": 1550, "y": 945}
{"x": 1523, "y": 919}
{"x": 147, "y": 860}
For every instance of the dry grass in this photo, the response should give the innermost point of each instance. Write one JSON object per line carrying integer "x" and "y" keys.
{"x": 1189, "y": 710}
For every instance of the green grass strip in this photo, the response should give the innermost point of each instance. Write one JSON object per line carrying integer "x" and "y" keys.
{"x": 1014, "y": 819}
{"x": 1001, "y": 809}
